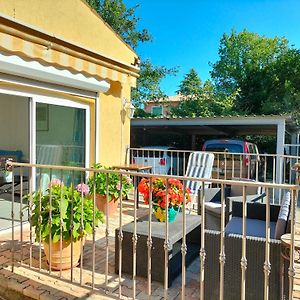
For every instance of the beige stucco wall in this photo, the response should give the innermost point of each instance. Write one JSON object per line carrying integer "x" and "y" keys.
{"x": 71, "y": 20}
{"x": 75, "y": 22}
{"x": 114, "y": 126}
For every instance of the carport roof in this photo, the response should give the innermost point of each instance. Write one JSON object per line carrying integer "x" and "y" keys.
{"x": 222, "y": 126}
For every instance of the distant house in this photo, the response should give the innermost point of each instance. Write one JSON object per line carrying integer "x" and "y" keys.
{"x": 64, "y": 78}
{"x": 162, "y": 107}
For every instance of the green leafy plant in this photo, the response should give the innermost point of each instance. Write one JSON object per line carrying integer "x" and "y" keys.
{"x": 73, "y": 206}
{"x": 99, "y": 180}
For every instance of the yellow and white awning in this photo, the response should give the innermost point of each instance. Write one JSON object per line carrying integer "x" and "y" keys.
{"x": 48, "y": 53}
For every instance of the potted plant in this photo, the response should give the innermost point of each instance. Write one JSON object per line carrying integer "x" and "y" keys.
{"x": 176, "y": 196}
{"x": 98, "y": 182}
{"x": 5, "y": 172}
{"x": 72, "y": 206}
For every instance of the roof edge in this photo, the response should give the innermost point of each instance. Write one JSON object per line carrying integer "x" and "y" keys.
{"x": 108, "y": 26}
{"x": 280, "y": 117}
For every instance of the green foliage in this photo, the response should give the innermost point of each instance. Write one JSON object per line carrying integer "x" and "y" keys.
{"x": 191, "y": 86}
{"x": 201, "y": 100}
{"x": 282, "y": 79}
{"x": 139, "y": 112}
{"x": 93, "y": 4}
{"x": 100, "y": 181}
{"x": 264, "y": 72}
{"x": 242, "y": 54}
{"x": 148, "y": 84}
{"x": 124, "y": 21}
{"x": 63, "y": 203}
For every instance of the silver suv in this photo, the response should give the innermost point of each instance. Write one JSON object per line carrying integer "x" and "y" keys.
{"x": 234, "y": 158}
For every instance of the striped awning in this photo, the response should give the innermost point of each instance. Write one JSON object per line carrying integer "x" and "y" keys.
{"x": 61, "y": 57}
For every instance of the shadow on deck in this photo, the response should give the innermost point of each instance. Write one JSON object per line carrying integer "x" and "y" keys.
{"x": 36, "y": 282}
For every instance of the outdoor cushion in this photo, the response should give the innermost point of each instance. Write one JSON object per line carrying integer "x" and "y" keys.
{"x": 212, "y": 194}
{"x": 213, "y": 206}
{"x": 14, "y": 155}
{"x": 283, "y": 215}
{"x": 237, "y": 190}
{"x": 254, "y": 227}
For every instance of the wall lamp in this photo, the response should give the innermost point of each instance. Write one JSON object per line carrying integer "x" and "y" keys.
{"x": 128, "y": 107}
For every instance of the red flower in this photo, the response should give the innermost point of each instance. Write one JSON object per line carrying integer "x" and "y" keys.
{"x": 159, "y": 192}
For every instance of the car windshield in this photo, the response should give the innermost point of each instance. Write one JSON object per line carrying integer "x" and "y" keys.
{"x": 231, "y": 148}
{"x": 227, "y": 148}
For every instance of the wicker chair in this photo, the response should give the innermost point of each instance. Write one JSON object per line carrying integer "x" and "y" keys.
{"x": 255, "y": 254}
{"x": 213, "y": 203}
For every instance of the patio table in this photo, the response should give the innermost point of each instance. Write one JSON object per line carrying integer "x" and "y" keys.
{"x": 193, "y": 223}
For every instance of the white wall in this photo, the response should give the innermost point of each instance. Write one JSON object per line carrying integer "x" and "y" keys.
{"x": 14, "y": 124}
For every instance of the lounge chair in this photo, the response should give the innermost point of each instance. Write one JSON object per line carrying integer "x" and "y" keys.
{"x": 200, "y": 166}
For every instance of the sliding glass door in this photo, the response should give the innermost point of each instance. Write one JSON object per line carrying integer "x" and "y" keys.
{"x": 60, "y": 134}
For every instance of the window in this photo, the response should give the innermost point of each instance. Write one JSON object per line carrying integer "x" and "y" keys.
{"x": 157, "y": 110}
{"x": 231, "y": 148}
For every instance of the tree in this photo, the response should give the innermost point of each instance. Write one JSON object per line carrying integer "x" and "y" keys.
{"x": 93, "y": 4}
{"x": 283, "y": 80}
{"x": 148, "y": 84}
{"x": 201, "y": 100}
{"x": 124, "y": 21}
{"x": 248, "y": 64}
{"x": 190, "y": 87}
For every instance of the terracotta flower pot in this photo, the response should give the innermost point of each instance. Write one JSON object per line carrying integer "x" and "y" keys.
{"x": 102, "y": 204}
{"x": 65, "y": 254}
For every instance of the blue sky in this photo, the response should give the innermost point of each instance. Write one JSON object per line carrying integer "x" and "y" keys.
{"x": 187, "y": 33}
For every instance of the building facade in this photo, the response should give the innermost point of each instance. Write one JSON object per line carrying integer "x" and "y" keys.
{"x": 65, "y": 82}
{"x": 162, "y": 107}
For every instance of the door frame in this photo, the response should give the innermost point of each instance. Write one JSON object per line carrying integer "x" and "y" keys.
{"x": 59, "y": 100}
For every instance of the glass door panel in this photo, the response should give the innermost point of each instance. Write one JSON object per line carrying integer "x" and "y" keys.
{"x": 61, "y": 137}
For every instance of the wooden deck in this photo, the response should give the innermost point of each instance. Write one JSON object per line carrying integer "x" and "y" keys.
{"x": 36, "y": 282}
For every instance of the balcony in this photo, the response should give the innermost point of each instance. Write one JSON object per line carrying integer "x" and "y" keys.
{"x": 25, "y": 272}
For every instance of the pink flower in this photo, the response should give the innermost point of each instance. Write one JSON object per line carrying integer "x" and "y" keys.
{"x": 118, "y": 186}
{"x": 55, "y": 182}
{"x": 128, "y": 179}
{"x": 83, "y": 188}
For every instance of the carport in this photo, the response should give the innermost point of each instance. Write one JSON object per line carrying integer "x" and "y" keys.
{"x": 284, "y": 127}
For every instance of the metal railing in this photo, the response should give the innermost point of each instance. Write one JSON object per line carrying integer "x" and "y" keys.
{"x": 260, "y": 167}
{"x": 216, "y": 249}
